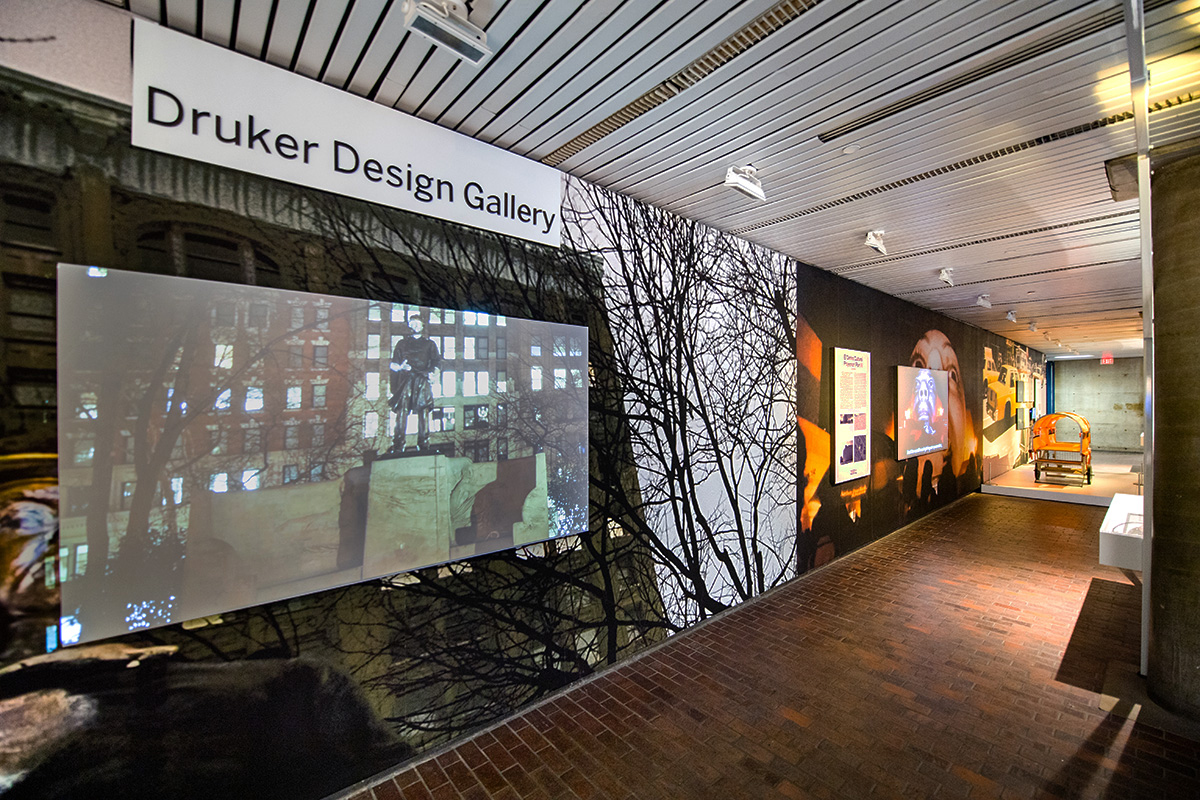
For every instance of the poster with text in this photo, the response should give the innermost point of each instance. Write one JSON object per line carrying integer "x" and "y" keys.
{"x": 852, "y": 414}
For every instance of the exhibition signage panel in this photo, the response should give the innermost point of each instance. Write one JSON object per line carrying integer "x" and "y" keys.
{"x": 223, "y": 446}
{"x": 851, "y": 414}
{"x": 199, "y": 101}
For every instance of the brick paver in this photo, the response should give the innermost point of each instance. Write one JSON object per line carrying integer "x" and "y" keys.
{"x": 959, "y": 657}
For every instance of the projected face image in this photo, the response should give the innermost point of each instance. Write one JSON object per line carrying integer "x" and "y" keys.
{"x": 925, "y": 399}
{"x": 934, "y": 351}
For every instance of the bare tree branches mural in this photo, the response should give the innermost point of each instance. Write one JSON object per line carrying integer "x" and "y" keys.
{"x": 701, "y": 341}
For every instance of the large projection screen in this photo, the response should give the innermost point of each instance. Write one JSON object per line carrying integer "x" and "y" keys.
{"x": 922, "y": 400}
{"x": 223, "y": 446}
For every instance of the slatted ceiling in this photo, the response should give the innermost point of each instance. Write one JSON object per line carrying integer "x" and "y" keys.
{"x": 1175, "y": 125}
{"x": 390, "y": 90}
{"x": 1067, "y": 310}
{"x": 218, "y": 21}
{"x": 379, "y": 51}
{"x": 1021, "y": 49}
{"x": 989, "y": 259}
{"x": 1103, "y": 137}
{"x": 789, "y": 75}
{"x": 632, "y": 49}
{"x": 908, "y": 209}
{"x": 708, "y": 25}
{"x": 734, "y": 88}
{"x": 952, "y": 147}
{"x": 615, "y": 41}
{"x": 582, "y": 33}
{"x": 1168, "y": 43}
{"x": 785, "y": 168}
{"x": 252, "y": 20}
{"x": 598, "y": 53}
{"x": 1016, "y": 289}
{"x": 286, "y": 30}
{"x": 920, "y": 272}
{"x": 628, "y": 76}
{"x": 360, "y": 23}
{"x": 145, "y": 8}
{"x": 435, "y": 68}
{"x": 465, "y": 89}
{"x": 1111, "y": 303}
{"x": 972, "y": 278}
{"x": 182, "y": 15}
{"x": 320, "y": 37}
{"x": 413, "y": 83}
{"x": 570, "y": 36}
{"x": 1005, "y": 43}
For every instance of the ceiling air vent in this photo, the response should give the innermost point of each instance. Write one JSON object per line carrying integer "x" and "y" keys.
{"x": 753, "y": 33}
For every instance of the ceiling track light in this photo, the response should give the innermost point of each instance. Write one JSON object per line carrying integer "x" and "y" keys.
{"x": 946, "y": 276}
{"x": 745, "y": 180}
{"x": 1011, "y": 316}
{"x": 875, "y": 242}
{"x": 1033, "y": 327}
{"x": 445, "y": 24}
{"x": 983, "y": 302}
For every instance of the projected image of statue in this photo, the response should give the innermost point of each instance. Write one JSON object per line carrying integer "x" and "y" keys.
{"x": 414, "y": 360}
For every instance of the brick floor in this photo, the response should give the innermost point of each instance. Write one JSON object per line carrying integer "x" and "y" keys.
{"x": 960, "y": 657}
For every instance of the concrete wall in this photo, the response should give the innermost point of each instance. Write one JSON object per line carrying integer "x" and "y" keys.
{"x": 1109, "y": 396}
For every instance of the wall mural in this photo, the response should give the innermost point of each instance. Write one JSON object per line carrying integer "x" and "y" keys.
{"x": 1009, "y": 373}
{"x": 708, "y": 472}
{"x": 835, "y": 520}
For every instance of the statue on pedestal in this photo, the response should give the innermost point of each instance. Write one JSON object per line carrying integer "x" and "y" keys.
{"x": 414, "y": 360}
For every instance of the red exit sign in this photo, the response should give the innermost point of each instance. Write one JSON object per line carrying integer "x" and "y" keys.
{"x": 1106, "y": 359}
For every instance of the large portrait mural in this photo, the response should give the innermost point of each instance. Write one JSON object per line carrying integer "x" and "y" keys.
{"x": 907, "y": 479}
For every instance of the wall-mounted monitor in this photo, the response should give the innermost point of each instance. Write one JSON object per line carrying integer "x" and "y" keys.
{"x": 223, "y": 446}
{"x": 922, "y": 397}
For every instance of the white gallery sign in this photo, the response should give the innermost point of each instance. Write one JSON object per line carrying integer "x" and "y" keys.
{"x": 199, "y": 101}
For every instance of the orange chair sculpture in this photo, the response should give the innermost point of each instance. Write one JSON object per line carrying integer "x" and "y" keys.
{"x": 1055, "y": 453}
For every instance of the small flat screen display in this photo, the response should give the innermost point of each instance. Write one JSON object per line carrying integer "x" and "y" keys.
{"x": 922, "y": 397}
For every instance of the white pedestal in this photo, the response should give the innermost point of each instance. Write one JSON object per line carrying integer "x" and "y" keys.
{"x": 1121, "y": 533}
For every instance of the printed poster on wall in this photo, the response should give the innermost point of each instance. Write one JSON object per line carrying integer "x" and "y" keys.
{"x": 851, "y": 414}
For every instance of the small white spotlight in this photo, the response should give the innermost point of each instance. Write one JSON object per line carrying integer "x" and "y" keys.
{"x": 946, "y": 276}
{"x": 1033, "y": 327}
{"x": 1011, "y": 316}
{"x": 875, "y": 242}
{"x": 745, "y": 180}
{"x": 983, "y": 302}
